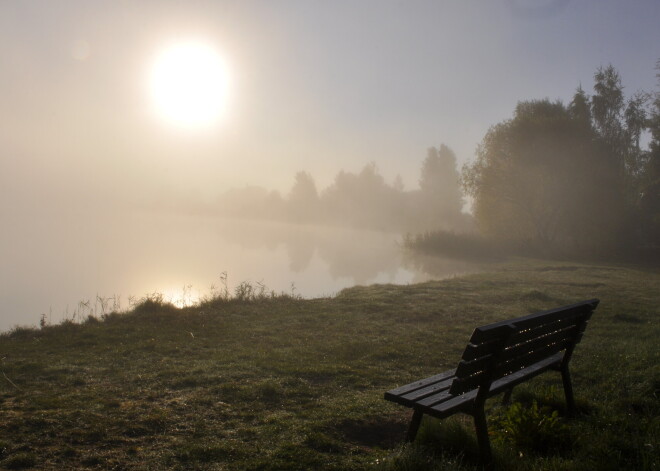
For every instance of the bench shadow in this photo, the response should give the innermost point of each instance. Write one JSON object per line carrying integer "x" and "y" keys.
{"x": 381, "y": 433}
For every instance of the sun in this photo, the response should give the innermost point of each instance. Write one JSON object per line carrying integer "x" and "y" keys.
{"x": 189, "y": 84}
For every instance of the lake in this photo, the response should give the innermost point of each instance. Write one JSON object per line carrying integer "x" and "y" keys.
{"x": 69, "y": 266}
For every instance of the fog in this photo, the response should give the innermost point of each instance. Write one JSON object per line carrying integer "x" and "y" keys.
{"x": 76, "y": 267}
{"x": 338, "y": 117}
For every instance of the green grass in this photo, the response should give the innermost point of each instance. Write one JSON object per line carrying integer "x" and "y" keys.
{"x": 273, "y": 382}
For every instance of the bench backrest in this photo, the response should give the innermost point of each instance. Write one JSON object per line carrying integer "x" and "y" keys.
{"x": 499, "y": 349}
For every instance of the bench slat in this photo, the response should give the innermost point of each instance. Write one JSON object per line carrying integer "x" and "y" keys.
{"x": 449, "y": 407}
{"x": 530, "y": 359}
{"x": 544, "y": 329}
{"x": 532, "y": 345}
{"x": 427, "y": 391}
{"x": 491, "y": 333}
{"x": 434, "y": 399}
{"x": 466, "y": 384}
{"x": 484, "y": 333}
{"x": 472, "y": 351}
{"x": 524, "y": 374}
{"x": 467, "y": 368}
{"x": 418, "y": 384}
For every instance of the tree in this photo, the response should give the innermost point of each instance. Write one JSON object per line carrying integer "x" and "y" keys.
{"x": 580, "y": 109}
{"x": 440, "y": 198}
{"x": 620, "y": 124}
{"x": 607, "y": 104}
{"x": 650, "y": 175}
{"x": 439, "y": 178}
{"x": 540, "y": 179}
{"x": 635, "y": 121}
{"x": 575, "y": 175}
{"x": 364, "y": 200}
{"x": 303, "y": 200}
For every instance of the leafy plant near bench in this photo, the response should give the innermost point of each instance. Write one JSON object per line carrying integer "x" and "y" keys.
{"x": 531, "y": 427}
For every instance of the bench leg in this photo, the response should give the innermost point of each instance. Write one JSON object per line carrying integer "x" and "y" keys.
{"x": 568, "y": 391}
{"x": 507, "y": 396}
{"x": 414, "y": 426}
{"x": 482, "y": 436}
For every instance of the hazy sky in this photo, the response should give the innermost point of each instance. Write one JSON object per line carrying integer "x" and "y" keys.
{"x": 314, "y": 85}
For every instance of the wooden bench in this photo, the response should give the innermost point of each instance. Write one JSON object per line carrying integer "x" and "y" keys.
{"x": 498, "y": 357}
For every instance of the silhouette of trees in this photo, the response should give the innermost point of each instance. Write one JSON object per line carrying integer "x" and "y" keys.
{"x": 363, "y": 200}
{"x": 567, "y": 177}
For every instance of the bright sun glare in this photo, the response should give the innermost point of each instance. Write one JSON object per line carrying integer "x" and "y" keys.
{"x": 189, "y": 84}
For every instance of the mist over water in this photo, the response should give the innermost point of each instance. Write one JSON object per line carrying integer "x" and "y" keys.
{"x": 51, "y": 265}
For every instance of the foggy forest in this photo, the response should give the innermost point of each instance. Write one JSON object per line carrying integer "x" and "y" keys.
{"x": 576, "y": 179}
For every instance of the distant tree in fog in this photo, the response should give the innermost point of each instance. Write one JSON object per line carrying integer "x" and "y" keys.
{"x": 363, "y": 200}
{"x": 303, "y": 200}
{"x": 440, "y": 199}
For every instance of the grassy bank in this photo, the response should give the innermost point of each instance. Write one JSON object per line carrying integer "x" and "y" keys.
{"x": 297, "y": 384}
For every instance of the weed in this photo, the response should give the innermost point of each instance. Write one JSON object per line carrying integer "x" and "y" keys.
{"x": 532, "y": 428}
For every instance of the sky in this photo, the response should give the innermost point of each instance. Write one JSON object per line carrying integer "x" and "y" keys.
{"x": 313, "y": 85}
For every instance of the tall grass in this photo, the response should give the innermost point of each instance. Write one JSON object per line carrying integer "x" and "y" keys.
{"x": 101, "y": 308}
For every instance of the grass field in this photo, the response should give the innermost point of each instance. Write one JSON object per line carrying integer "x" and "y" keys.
{"x": 282, "y": 383}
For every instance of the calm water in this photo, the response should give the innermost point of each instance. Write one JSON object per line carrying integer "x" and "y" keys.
{"x": 63, "y": 267}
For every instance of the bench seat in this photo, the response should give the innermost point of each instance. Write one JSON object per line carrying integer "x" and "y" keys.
{"x": 432, "y": 396}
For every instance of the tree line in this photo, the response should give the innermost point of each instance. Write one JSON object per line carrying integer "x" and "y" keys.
{"x": 363, "y": 200}
{"x": 577, "y": 178}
